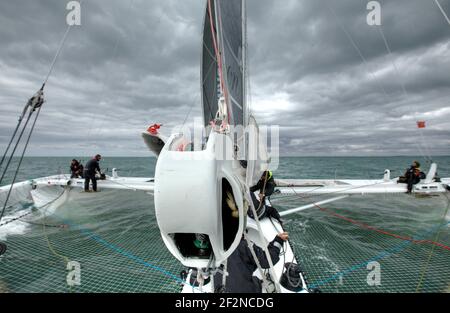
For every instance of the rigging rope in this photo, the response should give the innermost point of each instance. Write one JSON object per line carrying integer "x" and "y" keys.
{"x": 377, "y": 229}
{"x": 47, "y": 239}
{"x": 34, "y": 103}
{"x": 25, "y": 109}
{"x": 40, "y": 101}
{"x": 350, "y": 38}
{"x": 292, "y": 263}
{"x": 50, "y": 247}
{"x": 250, "y": 245}
{"x": 332, "y": 192}
{"x": 17, "y": 142}
{"x": 246, "y": 74}
{"x": 98, "y": 127}
{"x": 425, "y": 269}
{"x": 216, "y": 49}
{"x": 442, "y": 11}
{"x": 20, "y": 161}
{"x": 392, "y": 61}
{"x": 262, "y": 237}
{"x": 61, "y": 44}
{"x": 426, "y": 155}
{"x": 196, "y": 99}
{"x": 224, "y": 90}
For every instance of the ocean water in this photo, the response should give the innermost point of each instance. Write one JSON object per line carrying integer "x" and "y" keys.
{"x": 114, "y": 237}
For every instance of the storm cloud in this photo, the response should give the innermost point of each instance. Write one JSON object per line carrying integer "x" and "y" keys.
{"x": 316, "y": 69}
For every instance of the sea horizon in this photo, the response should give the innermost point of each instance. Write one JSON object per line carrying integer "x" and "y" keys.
{"x": 282, "y": 156}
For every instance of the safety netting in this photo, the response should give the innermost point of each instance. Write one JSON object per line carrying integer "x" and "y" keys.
{"x": 117, "y": 252}
{"x": 117, "y": 243}
{"x": 375, "y": 244}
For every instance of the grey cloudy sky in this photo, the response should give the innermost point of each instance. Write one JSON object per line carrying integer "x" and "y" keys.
{"x": 135, "y": 62}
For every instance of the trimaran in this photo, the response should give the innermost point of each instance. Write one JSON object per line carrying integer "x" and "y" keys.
{"x": 204, "y": 188}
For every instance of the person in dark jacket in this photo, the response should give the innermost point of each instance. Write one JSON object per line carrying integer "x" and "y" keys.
{"x": 76, "y": 169}
{"x": 413, "y": 175}
{"x": 90, "y": 170}
{"x": 267, "y": 189}
{"x": 266, "y": 186}
{"x": 241, "y": 266}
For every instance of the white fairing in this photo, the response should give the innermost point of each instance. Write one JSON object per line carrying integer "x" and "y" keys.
{"x": 270, "y": 227}
{"x": 431, "y": 173}
{"x": 155, "y": 142}
{"x": 188, "y": 197}
{"x": 387, "y": 175}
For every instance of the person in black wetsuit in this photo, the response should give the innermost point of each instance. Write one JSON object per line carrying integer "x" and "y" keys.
{"x": 90, "y": 170}
{"x": 76, "y": 169}
{"x": 241, "y": 266}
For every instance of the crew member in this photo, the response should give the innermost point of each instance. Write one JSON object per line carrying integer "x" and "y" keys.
{"x": 413, "y": 175}
{"x": 90, "y": 170}
{"x": 266, "y": 186}
{"x": 76, "y": 169}
{"x": 241, "y": 265}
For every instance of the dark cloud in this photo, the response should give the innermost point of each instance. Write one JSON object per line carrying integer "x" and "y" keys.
{"x": 136, "y": 62}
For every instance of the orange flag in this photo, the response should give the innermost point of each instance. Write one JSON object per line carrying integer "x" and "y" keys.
{"x": 420, "y": 124}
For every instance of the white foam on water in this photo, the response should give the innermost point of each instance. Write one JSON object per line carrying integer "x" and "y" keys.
{"x": 13, "y": 228}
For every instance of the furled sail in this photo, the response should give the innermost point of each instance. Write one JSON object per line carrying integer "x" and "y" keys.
{"x": 225, "y": 29}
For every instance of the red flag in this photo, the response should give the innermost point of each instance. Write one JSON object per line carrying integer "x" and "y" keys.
{"x": 420, "y": 124}
{"x": 154, "y": 129}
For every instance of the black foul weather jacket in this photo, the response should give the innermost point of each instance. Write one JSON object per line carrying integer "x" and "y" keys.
{"x": 241, "y": 266}
{"x": 90, "y": 168}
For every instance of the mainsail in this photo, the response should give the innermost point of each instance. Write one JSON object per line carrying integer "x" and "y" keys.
{"x": 223, "y": 36}
{"x": 209, "y": 69}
